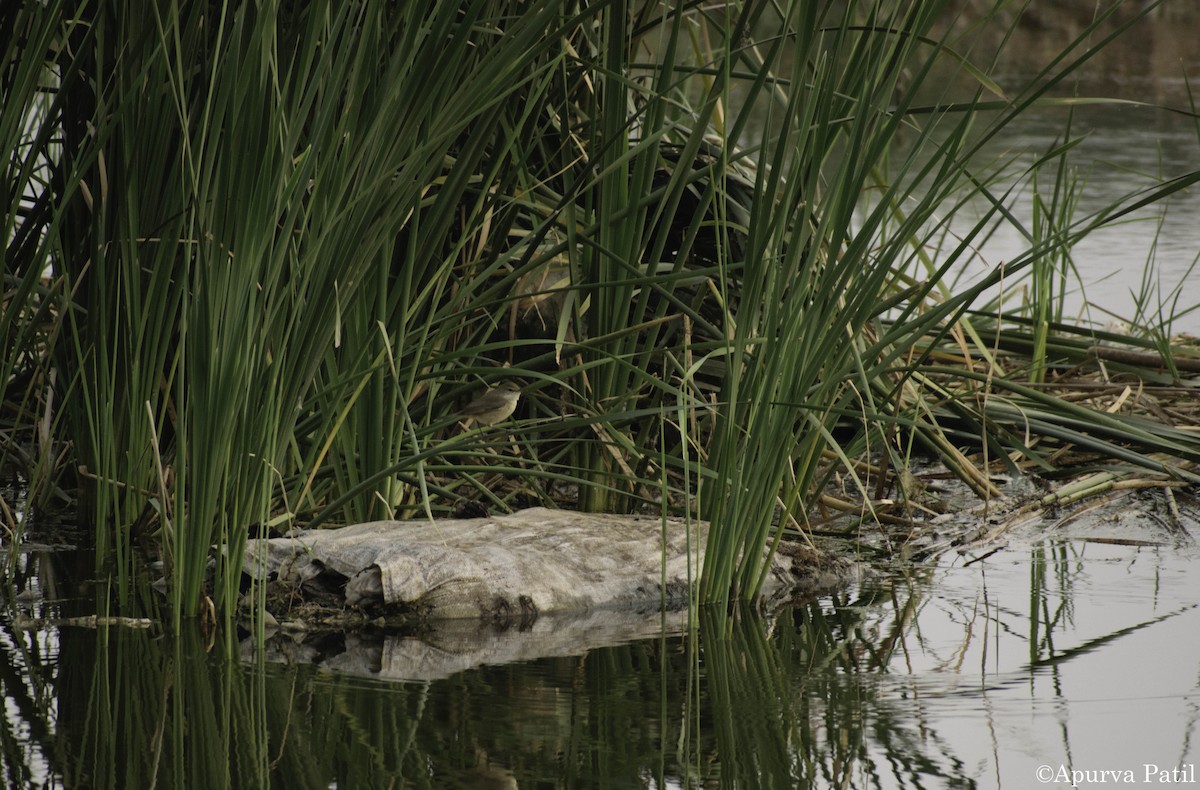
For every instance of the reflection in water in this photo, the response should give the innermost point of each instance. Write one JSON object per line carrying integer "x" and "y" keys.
{"x": 967, "y": 675}
{"x": 1066, "y": 652}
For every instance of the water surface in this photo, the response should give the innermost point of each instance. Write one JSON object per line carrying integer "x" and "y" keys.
{"x": 1071, "y": 647}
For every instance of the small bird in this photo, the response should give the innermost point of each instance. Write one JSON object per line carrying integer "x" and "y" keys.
{"x": 493, "y": 406}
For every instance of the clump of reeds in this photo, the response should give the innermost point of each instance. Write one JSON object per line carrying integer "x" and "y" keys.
{"x": 255, "y": 257}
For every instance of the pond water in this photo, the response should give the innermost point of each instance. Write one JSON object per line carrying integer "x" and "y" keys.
{"x": 1075, "y": 647}
{"x": 1149, "y": 256}
{"x": 1141, "y": 269}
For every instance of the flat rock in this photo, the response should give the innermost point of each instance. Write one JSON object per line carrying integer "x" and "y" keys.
{"x": 509, "y": 569}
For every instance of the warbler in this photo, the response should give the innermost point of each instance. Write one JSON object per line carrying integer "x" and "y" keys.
{"x": 493, "y": 406}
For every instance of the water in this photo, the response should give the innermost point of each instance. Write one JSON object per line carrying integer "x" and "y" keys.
{"x": 1073, "y": 647}
{"x": 1059, "y": 655}
{"x": 1148, "y": 257}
